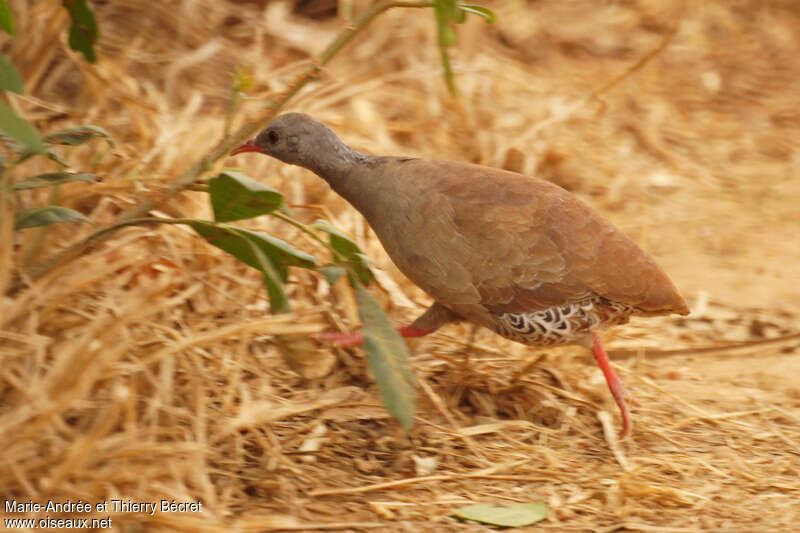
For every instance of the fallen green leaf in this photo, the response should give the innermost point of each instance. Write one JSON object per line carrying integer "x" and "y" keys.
{"x": 513, "y": 515}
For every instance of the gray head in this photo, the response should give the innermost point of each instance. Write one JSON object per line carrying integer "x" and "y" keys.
{"x": 299, "y": 139}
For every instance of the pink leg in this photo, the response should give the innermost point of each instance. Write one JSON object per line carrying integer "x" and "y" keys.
{"x": 355, "y": 338}
{"x": 614, "y": 384}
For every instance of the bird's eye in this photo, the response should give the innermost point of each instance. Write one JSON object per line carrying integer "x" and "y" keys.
{"x": 272, "y": 136}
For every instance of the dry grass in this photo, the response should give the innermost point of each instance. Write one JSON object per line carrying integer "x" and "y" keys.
{"x": 149, "y": 368}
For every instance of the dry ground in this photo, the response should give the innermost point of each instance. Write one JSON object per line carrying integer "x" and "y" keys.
{"x": 149, "y": 368}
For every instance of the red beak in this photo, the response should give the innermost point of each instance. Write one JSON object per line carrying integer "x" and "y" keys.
{"x": 249, "y": 146}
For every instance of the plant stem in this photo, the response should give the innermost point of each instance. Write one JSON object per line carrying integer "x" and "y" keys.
{"x": 204, "y": 164}
{"x": 37, "y": 236}
{"x": 299, "y": 225}
{"x": 7, "y": 217}
{"x": 308, "y": 230}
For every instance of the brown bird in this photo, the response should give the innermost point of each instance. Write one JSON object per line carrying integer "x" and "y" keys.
{"x": 516, "y": 254}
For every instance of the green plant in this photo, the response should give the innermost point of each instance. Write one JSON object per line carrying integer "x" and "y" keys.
{"x": 448, "y": 13}
{"x": 233, "y": 197}
{"x": 188, "y": 178}
{"x": 23, "y": 141}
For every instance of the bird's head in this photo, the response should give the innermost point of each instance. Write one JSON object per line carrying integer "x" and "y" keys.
{"x": 297, "y": 139}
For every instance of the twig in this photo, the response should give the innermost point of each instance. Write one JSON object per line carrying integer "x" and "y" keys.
{"x": 527, "y": 136}
{"x": 611, "y": 438}
{"x": 295, "y": 525}
{"x": 633, "y": 526}
{"x": 714, "y": 417}
{"x": 639, "y": 64}
{"x": 439, "y": 404}
{"x": 705, "y": 349}
{"x": 486, "y": 473}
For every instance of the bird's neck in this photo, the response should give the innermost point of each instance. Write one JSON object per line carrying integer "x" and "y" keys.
{"x": 333, "y": 162}
{"x": 345, "y": 173}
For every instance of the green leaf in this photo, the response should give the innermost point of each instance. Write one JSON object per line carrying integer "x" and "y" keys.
{"x": 20, "y": 130}
{"x": 6, "y": 18}
{"x": 236, "y": 197}
{"x": 447, "y": 37}
{"x": 234, "y": 241}
{"x": 278, "y": 302}
{"x": 360, "y": 266}
{"x": 53, "y": 156}
{"x": 80, "y": 40}
{"x": 53, "y": 178}
{"x": 83, "y": 30}
{"x": 10, "y": 79}
{"x": 387, "y": 356}
{"x": 48, "y": 153}
{"x": 78, "y": 135}
{"x": 276, "y": 248}
{"x": 261, "y": 252}
{"x": 44, "y": 216}
{"x": 446, "y": 12}
{"x": 449, "y": 12}
{"x": 481, "y": 11}
{"x": 348, "y": 250}
{"x": 513, "y": 515}
{"x": 332, "y": 272}
{"x": 339, "y": 241}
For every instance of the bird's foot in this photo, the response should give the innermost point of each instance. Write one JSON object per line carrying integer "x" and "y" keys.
{"x": 614, "y": 384}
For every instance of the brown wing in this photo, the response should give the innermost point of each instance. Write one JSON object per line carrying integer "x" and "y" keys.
{"x": 537, "y": 245}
